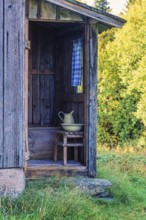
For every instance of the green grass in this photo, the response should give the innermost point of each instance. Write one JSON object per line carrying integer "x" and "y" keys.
{"x": 53, "y": 199}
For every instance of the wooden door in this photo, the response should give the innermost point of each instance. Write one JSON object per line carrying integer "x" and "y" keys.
{"x": 12, "y": 92}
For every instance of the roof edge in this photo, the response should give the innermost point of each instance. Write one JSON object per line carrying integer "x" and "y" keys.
{"x": 90, "y": 12}
{"x": 97, "y": 10}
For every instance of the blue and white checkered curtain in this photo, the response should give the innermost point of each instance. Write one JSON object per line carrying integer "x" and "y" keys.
{"x": 77, "y": 60}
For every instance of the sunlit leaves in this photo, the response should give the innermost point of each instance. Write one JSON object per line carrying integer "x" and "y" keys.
{"x": 122, "y": 77}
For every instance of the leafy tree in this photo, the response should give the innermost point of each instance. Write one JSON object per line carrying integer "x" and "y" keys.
{"x": 122, "y": 79}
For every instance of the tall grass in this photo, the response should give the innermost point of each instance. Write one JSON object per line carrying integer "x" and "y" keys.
{"x": 53, "y": 199}
{"x": 127, "y": 172}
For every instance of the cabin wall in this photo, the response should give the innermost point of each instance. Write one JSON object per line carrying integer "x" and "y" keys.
{"x": 12, "y": 84}
{"x": 12, "y": 97}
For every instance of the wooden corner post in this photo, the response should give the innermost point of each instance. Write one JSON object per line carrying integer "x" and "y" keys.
{"x": 91, "y": 98}
{"x": 1, "y": 82}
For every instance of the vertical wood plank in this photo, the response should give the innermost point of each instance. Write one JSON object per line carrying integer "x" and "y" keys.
{"x": 30, "y": 99}
{"x": 26, "y": 93}
{"x": 51, "y": 99}
{"x": 33, "y": 9}
{"x": 48, "y": 10}
{"x": 36, "y": 99}
{"x": 42, "y": 89}
{"x": 14, "y": 83}
{"x": 92, "y": 100}
{"x": 86, "y": 96}
{"x": 65, "y": 150}
{"x": 1, "y": 82}
{"x": 30, "y": 119}
{"x": 44, "y": 102}
{"x": 58, "y": 79}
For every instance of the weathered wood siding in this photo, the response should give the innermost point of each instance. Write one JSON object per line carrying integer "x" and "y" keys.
{"x": 43, "y": 10}
{"x": 41, "y": 75}
{"x": 12, "y": 75}
{"x": 42, "y": 142}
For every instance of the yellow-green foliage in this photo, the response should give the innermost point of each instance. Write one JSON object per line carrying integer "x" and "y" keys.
{"x": 122, "y": 79}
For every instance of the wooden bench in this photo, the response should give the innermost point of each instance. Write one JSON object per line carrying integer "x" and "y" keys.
{"x": 63, "y": 138}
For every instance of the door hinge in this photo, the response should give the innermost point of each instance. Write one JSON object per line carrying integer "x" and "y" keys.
{"x": 27, "y": 44}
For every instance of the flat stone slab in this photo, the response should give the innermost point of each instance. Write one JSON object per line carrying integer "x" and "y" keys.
{"x": 90, "y": 186}
{"x": 12, "y": 182}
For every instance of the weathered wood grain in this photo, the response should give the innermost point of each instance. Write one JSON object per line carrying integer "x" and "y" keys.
{"x": 1, "y": 82}
{"x": 36, "y": 99}
{"x": 41, "y": 142}
{"x": 42, "y": 100}
{"x": 14, "y": 80}
{"x": 86, "y": 96}
{"x": 42, "y": 41}
{"x": 55, "y": 170}
{"x": 30, "y": 99}
{"x": 73, "y": 98}
{"x": 42, "y": 10}
{"x": 32, "y": 9}
{"x": 41, "y": 71}
{"x": 92, "y": 123}
{"x": 26, "y": 91}
{"x": 48, "y": 11}
{"x": 68, "y": 15}
{"x": 42, "y": 88}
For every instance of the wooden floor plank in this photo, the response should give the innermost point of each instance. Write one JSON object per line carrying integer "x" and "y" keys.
{"x": 48, "y": 168}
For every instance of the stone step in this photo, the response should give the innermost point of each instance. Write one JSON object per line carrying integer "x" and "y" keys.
{"x": 90, "y": 186}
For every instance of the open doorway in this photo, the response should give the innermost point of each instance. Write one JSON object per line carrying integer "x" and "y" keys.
{"x": 50, "y": 89}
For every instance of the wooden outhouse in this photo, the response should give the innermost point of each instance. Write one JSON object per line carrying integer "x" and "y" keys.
{"x": 37, "y": 40}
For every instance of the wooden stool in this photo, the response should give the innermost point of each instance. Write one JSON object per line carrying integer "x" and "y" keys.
{"x": 62, "y": 140}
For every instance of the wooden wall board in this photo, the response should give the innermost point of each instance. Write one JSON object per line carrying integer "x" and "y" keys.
{"x": 36, "y": 99}
{"x": 1, "y": 81}
{"x": 33, "y": 8}
{"x": 42, "y": 75}
{"x": 43, "y": 96}
{"x": 37, "y": 171}
{"x": 43, "y": 10}
{"x": 42, "y": 46}
{"x": 73, "y": 97}
{"x": 48, "y": 11}
{"x": 29, "y": 99}
{"x": 42, "y": 142}
{"x": 14, "y": 83}
{"x": 68, "y": 15}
